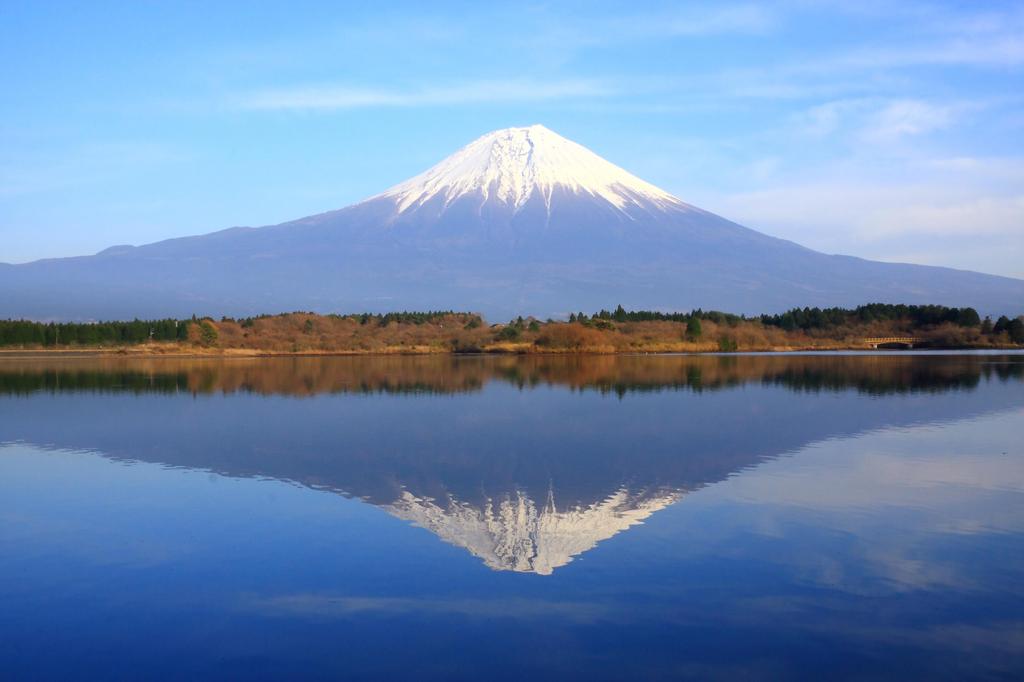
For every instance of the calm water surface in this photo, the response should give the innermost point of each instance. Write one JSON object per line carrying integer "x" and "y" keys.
{"x": 755, "y": 517}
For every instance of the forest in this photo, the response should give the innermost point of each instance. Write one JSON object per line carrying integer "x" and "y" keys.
{"x": 605, "y": 331}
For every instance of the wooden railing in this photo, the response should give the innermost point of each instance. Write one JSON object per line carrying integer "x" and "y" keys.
{"x": 877, "y": 341}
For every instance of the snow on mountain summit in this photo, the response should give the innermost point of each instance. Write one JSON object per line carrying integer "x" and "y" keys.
{"x": 515, "y": 533}
{"x": 514, "y": 164}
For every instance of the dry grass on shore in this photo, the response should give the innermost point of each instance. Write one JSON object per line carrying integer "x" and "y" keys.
{"x": 310, "y": 334}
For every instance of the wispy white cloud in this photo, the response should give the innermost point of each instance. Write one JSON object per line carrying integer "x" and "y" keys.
{"x": 550, "y": 40}
{"x": 880, "y": 120}
{"x": 338, "y": 97}
{"x": 936, "y": 35}
{"x": 981, "y": 40}
{"x": 938, "y": 220}
{"x": 824, "y": 119}
{"x": 972, "y": 217}
{"x": 995, "y": 50}
{"x": 909, "y": 117}
{"x": 872, "y": 212}
{"x": 564, "y": 31}
{"x": 683, "y": 22}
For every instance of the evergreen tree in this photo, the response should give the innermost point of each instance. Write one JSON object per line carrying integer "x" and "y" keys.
{"x": 693, "y": 330}
{"x": 968, "y": 317}
{"x": 1016, "y": 330}
{"x": 207, "y": 333}
{"x": 509, "y": 333}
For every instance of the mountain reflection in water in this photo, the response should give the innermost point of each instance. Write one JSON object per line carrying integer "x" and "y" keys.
{"x": 505, "y": 468}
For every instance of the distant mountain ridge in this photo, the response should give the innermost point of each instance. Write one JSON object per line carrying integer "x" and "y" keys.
{"x": 520, "y": 221}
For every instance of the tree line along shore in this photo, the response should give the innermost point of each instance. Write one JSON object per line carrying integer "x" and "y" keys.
{"x": 606, "y": 331}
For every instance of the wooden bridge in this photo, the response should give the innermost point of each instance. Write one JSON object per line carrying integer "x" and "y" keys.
{"x": 905, "y": 341}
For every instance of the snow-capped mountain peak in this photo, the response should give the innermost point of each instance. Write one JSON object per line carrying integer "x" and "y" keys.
{"x": 513, "y": 165}
{"x": 516, "y": 533}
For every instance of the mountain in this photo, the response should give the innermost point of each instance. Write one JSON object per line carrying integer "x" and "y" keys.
{"x": 517, "y": 534}
{"x": 523, "y": 485}
{"x": 520, "y": 221}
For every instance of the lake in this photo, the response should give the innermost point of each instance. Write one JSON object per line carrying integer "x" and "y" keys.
{"x": 840, "y": 516}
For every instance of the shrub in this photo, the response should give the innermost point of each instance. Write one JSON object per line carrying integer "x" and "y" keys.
{"x": 509, "y": 333}
{"x": 559, "y": 336}
{"x": 207, "y": 333}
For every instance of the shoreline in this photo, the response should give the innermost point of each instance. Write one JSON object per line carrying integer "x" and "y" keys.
{"x": 870, "y": 327}
{"x": 170, "y": 353}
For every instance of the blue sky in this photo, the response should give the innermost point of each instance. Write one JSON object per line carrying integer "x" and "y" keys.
{"x": 885, "y": 130}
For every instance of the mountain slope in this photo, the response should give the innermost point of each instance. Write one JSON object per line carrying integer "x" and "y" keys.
{"x": 519, "y": 221}
{"x": 510, "y": 167}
